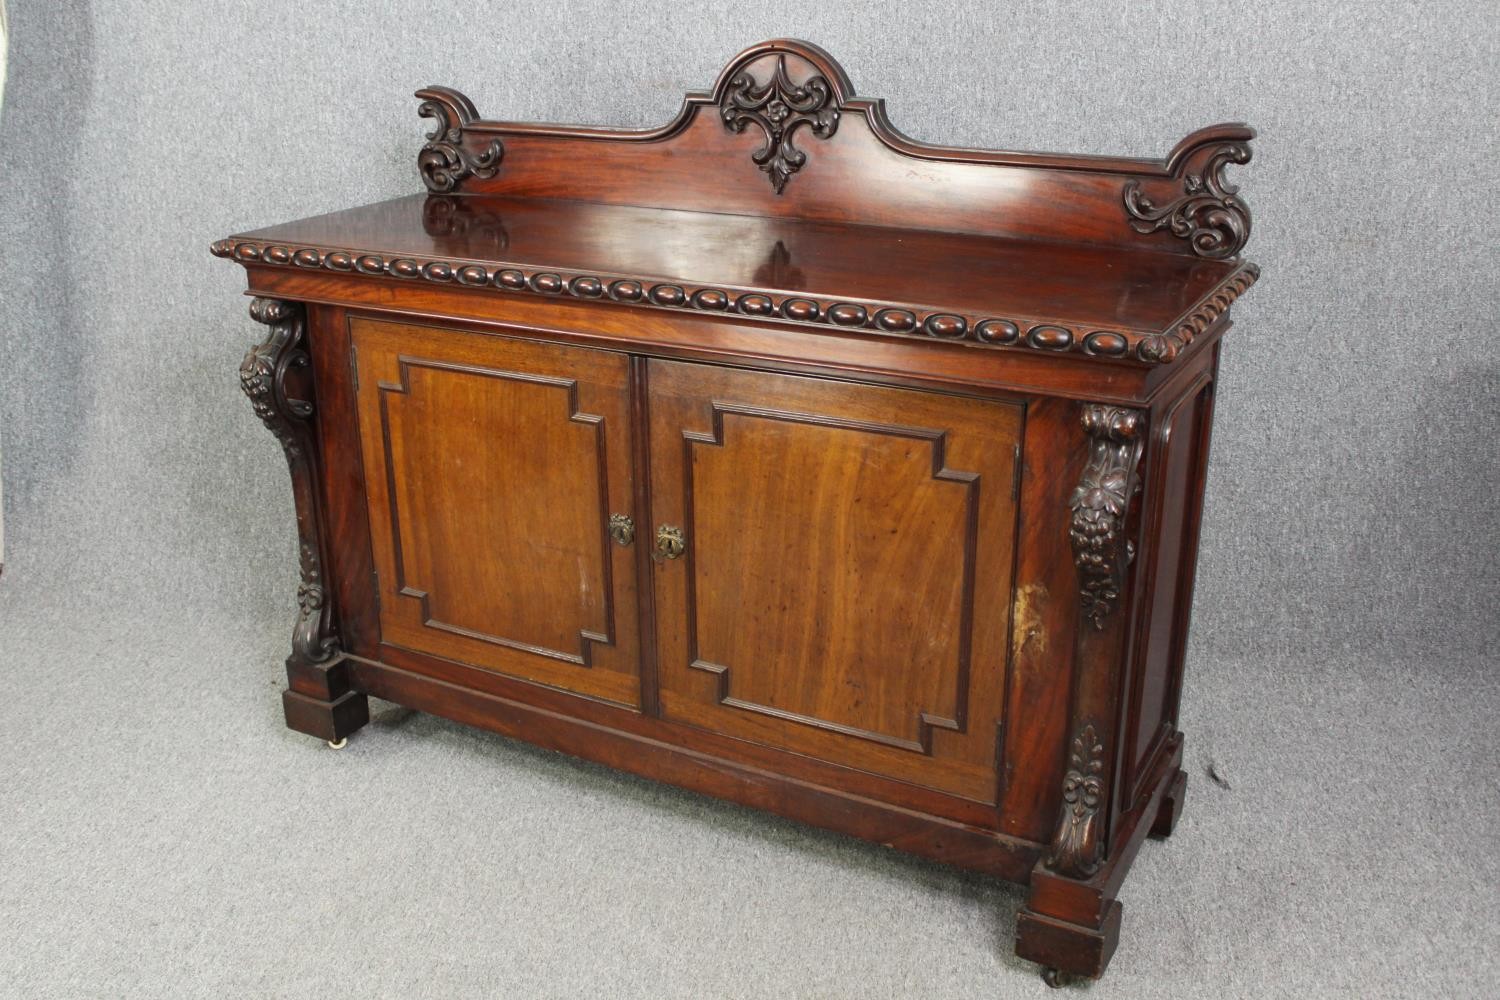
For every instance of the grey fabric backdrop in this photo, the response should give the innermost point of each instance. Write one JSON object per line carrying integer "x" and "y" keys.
{"x": 1351, "y": 528}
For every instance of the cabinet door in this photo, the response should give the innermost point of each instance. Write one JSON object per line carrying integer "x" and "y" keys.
{"x": 492, "y": 466}
{"x": 843, "y": 589}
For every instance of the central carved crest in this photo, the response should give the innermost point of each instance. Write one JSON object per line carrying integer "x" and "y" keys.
{"x": 779, "y": 107}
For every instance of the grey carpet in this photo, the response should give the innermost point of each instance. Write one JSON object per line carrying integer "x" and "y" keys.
{"x": 164, "y": 836}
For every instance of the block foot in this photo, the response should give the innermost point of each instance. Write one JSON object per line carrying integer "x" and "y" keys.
{"x": 1066, "y": 949}
{"x": 1171, "y": 806}
{"x": 320, "y": 701}
{"x": 328, "y": 720}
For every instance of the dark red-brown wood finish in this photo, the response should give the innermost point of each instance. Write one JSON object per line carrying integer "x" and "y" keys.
{"x": 775, "y": 455}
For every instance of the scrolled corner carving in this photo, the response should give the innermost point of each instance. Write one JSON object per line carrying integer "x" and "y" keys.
{"x": 1077, "y": 847}
{"x": 1101, "y": 552}
{"x": 1209, "y": 213}
{"x": 779, "y": 108}
{"x": 444, "y": 162}
{"x": 264, "y": 378}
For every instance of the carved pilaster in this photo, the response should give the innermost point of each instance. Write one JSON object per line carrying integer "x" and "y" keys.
{"x": 264, "y": 375}
{"x": 1109, "y": 482}
{"x": 1077, "y": 844}
{"x": 1101, "y": 552}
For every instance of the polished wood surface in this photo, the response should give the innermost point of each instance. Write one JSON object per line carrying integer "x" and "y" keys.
{"x": 775, "y": 455}
{"x": 1103, "y": 257}
{"x": 1179, "y": 458}
{"x": 845, "y": 587}
{"x": 1083, "y": 287}
{"x": 492, "y": 469}
{"x": 733, "y": 776}
{"x": 856, "y": 167}
{"x": 723, "y": 338}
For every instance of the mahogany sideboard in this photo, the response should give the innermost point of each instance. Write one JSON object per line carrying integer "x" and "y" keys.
{"x": 776, "y": 455}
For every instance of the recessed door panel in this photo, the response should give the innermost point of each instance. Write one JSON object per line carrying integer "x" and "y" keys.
{"x": 493, "y": 466}
{"x": 844, "y": 581}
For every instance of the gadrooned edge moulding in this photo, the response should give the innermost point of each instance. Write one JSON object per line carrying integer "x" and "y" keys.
{"x": 1151, "y": 346}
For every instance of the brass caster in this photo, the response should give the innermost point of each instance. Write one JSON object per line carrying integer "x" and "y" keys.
{"x": 1055, "y": 978}
{"x": 339, "y": 744}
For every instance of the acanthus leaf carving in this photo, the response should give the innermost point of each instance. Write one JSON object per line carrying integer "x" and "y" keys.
{"x": 264, "y": 377}
{"x": 1208, "y": 214}
{"x": 1100, "y": 502}
{"x": 1077, "y": 845}
{"x": 779, "y": 108}
{"x": 444, "y": 162}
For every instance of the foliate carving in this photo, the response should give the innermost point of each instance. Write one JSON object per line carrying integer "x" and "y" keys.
{"x": 779, "y": 108}
{"x": 1156, "y": 347}
{"x": 264, "y": 376}
{"x": 263, "y": 370}
{"x": 1208, "y": 214}
{"x": 444, "y": 162}
{"x": 1099, "y": 504}
{"x": 1077, "y": 847}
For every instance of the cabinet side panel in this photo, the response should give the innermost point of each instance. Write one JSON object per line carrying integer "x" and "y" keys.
{"x": 1179, "y": 456}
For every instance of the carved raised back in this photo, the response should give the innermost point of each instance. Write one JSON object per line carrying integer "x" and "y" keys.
{"x": 782, "y": 134}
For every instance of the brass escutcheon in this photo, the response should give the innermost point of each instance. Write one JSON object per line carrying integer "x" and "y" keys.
{"x": 670, "y": 542}
{"x": 621, "y": 528}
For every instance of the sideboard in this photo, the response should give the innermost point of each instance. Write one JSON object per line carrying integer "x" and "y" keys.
{"x": 775, "y": 455}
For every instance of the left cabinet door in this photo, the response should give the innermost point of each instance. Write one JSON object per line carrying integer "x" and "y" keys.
{"x": 493, "y": 467}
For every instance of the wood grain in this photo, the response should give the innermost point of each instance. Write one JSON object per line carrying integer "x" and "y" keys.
{"x": 846, "y": 584}
{"x": 525, "y": 247}
{"x": 865, "y": 169}
{"x": 494, "y": 465}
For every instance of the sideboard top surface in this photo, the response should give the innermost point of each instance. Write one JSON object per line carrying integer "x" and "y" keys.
{"x": 1072, "y": 287}
{"x": 779, "y": 195}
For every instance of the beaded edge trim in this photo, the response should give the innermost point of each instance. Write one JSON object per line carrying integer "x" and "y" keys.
{"x": 1154, "y": 347}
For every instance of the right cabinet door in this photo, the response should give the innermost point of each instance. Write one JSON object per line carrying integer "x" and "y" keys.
{"x": 843, "y": 584}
